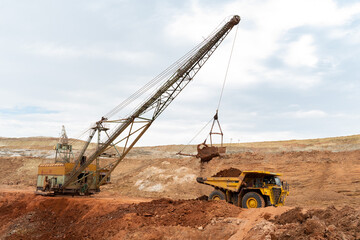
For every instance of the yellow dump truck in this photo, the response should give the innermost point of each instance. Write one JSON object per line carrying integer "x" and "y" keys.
{"x": 52, "y": 176}
{"x": 252, "y": 189}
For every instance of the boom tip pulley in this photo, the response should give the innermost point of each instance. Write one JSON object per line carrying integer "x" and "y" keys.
{"x": 236, "y": 19}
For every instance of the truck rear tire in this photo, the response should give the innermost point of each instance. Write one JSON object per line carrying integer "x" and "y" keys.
{"x": 217, "y": 195}
{"x": 252, "y": 200}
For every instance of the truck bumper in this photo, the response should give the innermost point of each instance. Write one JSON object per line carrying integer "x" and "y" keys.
{"x": 200, "y": 179}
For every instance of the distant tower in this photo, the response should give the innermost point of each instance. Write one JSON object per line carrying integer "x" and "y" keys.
{"x": 63, "y": 137}
{"x": 63, "y": 150}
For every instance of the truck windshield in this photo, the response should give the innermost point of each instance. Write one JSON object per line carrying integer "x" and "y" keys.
{"x": 277, "y": 181}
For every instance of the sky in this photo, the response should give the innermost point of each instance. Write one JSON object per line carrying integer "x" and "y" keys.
{"x": 293, "y": 73}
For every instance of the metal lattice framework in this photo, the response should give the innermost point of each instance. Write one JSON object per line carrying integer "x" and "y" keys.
{"x": 131, "y": 129}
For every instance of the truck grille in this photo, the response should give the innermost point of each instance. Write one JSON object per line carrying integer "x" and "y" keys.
{"x": 276, "y": 194}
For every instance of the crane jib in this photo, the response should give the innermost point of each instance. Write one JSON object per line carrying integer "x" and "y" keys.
{"x": 158, "y": 101}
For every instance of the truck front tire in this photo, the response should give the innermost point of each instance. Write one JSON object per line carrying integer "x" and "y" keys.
{"x": 217, "y": 195}
{"x": 252, "y": 200}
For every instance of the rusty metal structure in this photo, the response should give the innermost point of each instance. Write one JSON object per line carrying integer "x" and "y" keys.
{"x": 130, "y": 129}
{"x": 207, "y": 152}
{"x": 63, "y": 150}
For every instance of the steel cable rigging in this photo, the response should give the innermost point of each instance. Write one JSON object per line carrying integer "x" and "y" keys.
{"x": 215, "y": 118}
{"x": 154, "y": 83}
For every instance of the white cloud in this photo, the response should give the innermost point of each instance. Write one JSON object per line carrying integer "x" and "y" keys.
{"x": 306, "y": 114}
{"x": 261, "y": 30}
{"x": 59, "y": 51}
{"x": 351, "y": 34}
{"x": 351, "y": 116}
{"x": 288, "y": 79}
{"x": 301, "y": 53}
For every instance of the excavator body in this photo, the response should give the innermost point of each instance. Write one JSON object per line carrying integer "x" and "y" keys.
{"x": 52, "y": 176}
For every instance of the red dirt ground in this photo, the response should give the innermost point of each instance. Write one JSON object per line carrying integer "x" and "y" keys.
{"x": 27, "y": 216}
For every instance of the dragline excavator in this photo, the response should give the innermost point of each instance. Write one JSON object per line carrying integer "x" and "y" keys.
{"x": 82, "y": 175}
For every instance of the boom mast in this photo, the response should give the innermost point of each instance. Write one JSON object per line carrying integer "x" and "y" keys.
{"x": 157, "y": 102}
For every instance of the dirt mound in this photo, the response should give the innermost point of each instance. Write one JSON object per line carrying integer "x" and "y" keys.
{"x": 328, "y": 223}
{"x": 36, "y": 217}
{"x": 295, "y": 215}
{"x": 231, "y": 172}
{"x": 189, "y": 213}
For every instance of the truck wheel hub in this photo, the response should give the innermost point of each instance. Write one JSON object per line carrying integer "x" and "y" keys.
{"x": 251, "y": 203}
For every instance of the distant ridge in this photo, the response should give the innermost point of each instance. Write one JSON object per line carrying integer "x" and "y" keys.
{"x": 343, "y": 143}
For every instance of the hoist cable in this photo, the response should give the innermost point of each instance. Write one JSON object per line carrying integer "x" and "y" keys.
{"x": 221, "y": 94}
{"x": 227, "y": 69}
